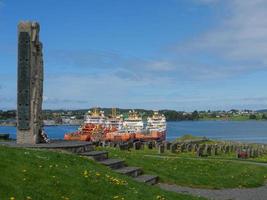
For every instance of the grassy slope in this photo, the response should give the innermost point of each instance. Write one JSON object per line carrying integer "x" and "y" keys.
{"x": 232, "y": 156}
{"x": 51, "y": 175}
{"x": 188, "y": 171}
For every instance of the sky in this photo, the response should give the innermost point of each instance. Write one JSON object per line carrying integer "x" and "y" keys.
{"x": 154, "y": 54}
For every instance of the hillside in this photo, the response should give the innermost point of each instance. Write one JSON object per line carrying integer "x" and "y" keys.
{"x": 35, "y": 174}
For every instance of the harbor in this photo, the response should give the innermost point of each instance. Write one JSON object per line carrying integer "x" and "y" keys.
{"x": 243, "y": 131}
{"x": 133, "y": 100}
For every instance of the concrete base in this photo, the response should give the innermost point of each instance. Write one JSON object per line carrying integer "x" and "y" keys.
{"x": 72, "y": 146}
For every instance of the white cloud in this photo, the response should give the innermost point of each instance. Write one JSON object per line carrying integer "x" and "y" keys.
{"x": 238, "y": 45}
{"x": 76, "y": 91}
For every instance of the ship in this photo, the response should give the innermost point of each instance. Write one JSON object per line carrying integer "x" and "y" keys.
{"x": 134, "y": 122}
{"x": 92, "y": 129}
{"x": 155, "y": 128}
{"x": 131, "y": 125}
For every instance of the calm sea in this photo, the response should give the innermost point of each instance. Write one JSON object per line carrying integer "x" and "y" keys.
{"x": 248, "y": 131}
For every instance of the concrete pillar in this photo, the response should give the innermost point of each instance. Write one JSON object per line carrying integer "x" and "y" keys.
{"x": 30, "y": 85}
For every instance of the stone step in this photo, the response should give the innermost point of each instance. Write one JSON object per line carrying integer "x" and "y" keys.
{"x": 113, "y": 163}
{"x": 96, "y": 155}
{"x": 149, "y": 179}
{"x": 130, "y": 171}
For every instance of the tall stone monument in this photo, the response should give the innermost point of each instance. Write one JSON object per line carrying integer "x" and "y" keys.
{"x": 30, "y": 85}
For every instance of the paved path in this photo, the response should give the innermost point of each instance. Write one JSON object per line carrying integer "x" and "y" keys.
{"x": 226, "y": 160}
{"x": 51, "y": 144}
{"x": 259, "y": 193}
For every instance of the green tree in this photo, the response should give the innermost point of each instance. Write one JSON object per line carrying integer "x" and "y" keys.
{"x": 264, "y": 116}
{"x": 195, "y": 115}
{"x": 252, "y": 116}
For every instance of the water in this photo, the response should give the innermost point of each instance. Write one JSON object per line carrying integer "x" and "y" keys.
{"x": 53, "y": 132}
{"x": 246, "y": 131}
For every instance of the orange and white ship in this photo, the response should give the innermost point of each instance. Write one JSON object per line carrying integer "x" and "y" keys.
{"x": 92, "y": 129}
{"x": 131, "y": 125}
{"x": 155, "y": 129}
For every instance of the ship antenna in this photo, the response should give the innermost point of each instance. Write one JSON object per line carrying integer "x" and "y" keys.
{"x": 114, "y": 112}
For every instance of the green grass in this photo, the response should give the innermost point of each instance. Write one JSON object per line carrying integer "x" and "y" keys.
{"x": 188, "y": 137}
{"x": 39, "y": 174}
{"x": 187, "y": 170}
{"x": 262, "y": 158}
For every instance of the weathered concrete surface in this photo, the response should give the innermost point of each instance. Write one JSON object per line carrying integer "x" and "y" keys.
{"x": 30, "y": 84}
{"x": 72, "y": 146}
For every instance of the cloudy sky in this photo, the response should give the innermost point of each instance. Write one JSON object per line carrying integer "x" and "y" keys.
{"x": 156, "y": 54}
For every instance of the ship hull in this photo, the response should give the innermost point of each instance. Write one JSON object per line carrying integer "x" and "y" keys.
{"x": 77, "y": 137}
{"x": 151, "y": 135}
{"x": 119, "y": 137}
{"x": 116, "y": 136}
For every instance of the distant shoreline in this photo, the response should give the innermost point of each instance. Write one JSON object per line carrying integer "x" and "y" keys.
{"x": 11, "y": 124}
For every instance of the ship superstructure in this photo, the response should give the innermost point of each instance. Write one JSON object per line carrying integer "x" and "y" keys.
{"x": 134, "y": 122}
{"x": 157, "y": 122}
{"x": 95, "y": 117}
{"x": 115, "y": 121}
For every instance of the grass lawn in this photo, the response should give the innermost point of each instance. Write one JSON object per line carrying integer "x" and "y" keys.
{"x": 186, "y": 170}
{"x": 38, "y": 174}
{"x": 262, "y": 158}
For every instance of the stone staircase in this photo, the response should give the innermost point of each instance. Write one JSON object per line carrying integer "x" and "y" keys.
{"x": 120, "y": 167}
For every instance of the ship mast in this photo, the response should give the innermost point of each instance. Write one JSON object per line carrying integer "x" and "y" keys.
{"x": 114, "y": 112}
